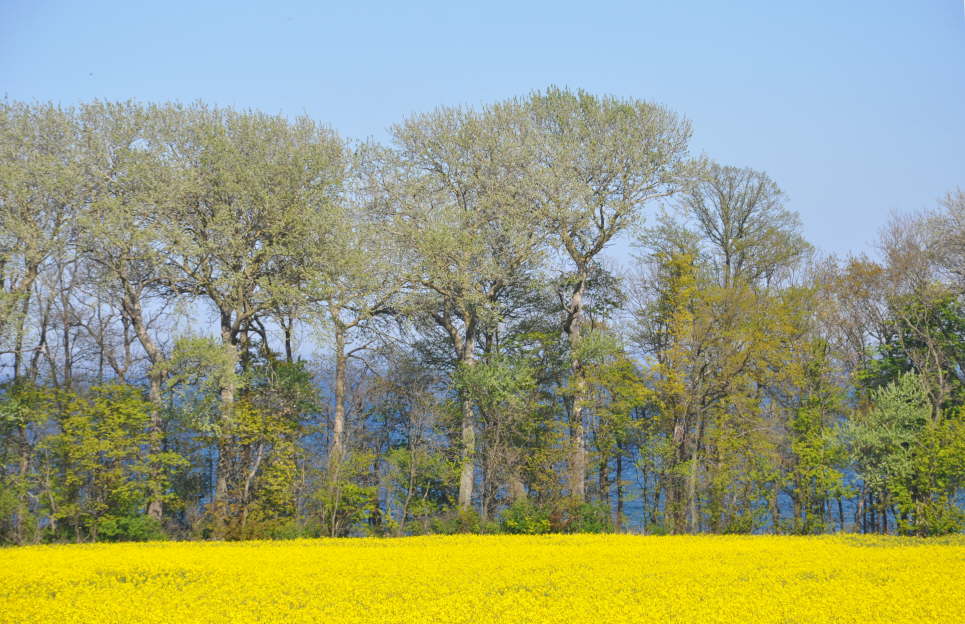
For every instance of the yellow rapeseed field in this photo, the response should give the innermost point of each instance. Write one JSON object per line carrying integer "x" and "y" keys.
{"x": 572, "y": 579}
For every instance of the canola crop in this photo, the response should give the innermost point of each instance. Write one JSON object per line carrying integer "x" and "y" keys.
{"x": 504, "y": 579}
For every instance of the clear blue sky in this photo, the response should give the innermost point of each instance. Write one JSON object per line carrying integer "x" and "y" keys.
{"x": 856, "y": 108}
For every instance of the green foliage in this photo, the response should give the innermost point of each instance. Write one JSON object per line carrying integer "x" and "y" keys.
{"x": 197, "y": 368}
{"x": 422, "y": 482}
{"x": 924, "y": 334}
{"x": 103, "y": 461}
{"x": 525, "y": 518}
{"x": 813, "y": 467}
{"x": 10, "y": 507}
{"x": 345, "y": 498}
{"x": 459, "y": 521}
{"x": 480, "y": 351}
{"x": 495, "y": 381}
{"x": 136, "y": 528}
{"x": 911, "y": 459}
{"x": 577, "y": 517}
{"x": 21, "y": 414}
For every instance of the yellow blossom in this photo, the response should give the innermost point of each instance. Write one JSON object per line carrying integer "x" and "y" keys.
{"x": 504, "y": 579}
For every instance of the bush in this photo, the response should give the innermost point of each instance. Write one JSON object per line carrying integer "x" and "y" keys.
{"x": 585, "y": 518}
{"x": 525, "y": 518}
{"x": 138, "y": 528}
{"x": 462, "y": 521}
{"x": 281, "y": 528}
{"x": 940, "y": 516}
{"x": 656, "y": 528}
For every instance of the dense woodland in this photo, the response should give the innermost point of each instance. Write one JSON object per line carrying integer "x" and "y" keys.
{"x": 227, "y": 324}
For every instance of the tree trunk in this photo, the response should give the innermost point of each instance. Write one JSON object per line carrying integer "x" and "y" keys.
{"x": 674, "y": 505}
{"x": 289, "y": 356}
{"x": 578, "y": 415}
{"x": 23, "y": 469}
{"x": 658, "y": 491}
{"x": 693, "y": 524}
{"x": 604, "y": 482}
{"x": 468, "y": 456}
{"x": 227, "y": 394}
{"x": 23, "y": 506}
{"x": 338, "y": 426}
{"x": 467, "y": 471}
{"x": 133, "y": 311}
{"x": 155, "y": 507}
{"x": 68, "y": 364}
{"x": 246, "y": 490}
{"x": 578, "y": 451}
{"x": 409, "y": 491}
{"x": 486, "y": 488}
{"x": 18, "y": 342}
{"x": 618, "y": 519}
{"x": 517, "y": 489}
{"x": 862, "y": 513}
{"x": 775, "y": 510}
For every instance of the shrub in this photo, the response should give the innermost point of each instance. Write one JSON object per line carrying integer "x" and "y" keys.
{"x": 525, "y": 518}
{"x": 462, "y": 521}
{"x": 584, "y": 518}
{"x": 139, "y": 528}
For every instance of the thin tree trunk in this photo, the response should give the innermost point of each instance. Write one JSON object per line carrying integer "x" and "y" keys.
{"x": 693, "y": 524}
{"x": 21, "y": 320}
{"x": 485, "y": 488}
{"x": 155, "y": 507}
{"x": 674, "y": 508}
{"x": 659, "y": 490}
{"x": 618, "y": 524}
{"x": 23, "y": 469}
{"x": 859, "y": 514}
{"x": 246, "y": 492}
{"x": 288, "y": 340}
{"x": 134, "y": 313}
{"x": 23, "y": 472}
{"x": 604, "y": 483}
{"x": 65, "y": 309}
{"x": 409, "y": 491}
{"x": 775, "y": 510}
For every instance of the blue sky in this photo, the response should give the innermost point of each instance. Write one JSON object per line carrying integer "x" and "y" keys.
{"x": 857, "y": 108}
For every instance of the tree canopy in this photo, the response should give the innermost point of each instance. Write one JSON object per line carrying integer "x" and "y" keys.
{"x": 227, "y": 324}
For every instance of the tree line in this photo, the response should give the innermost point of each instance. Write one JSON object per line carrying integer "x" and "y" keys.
{"x": 227, "y": 324}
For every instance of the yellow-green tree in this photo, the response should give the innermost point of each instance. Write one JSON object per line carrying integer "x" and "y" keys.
{"x": 105, "y": 465}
